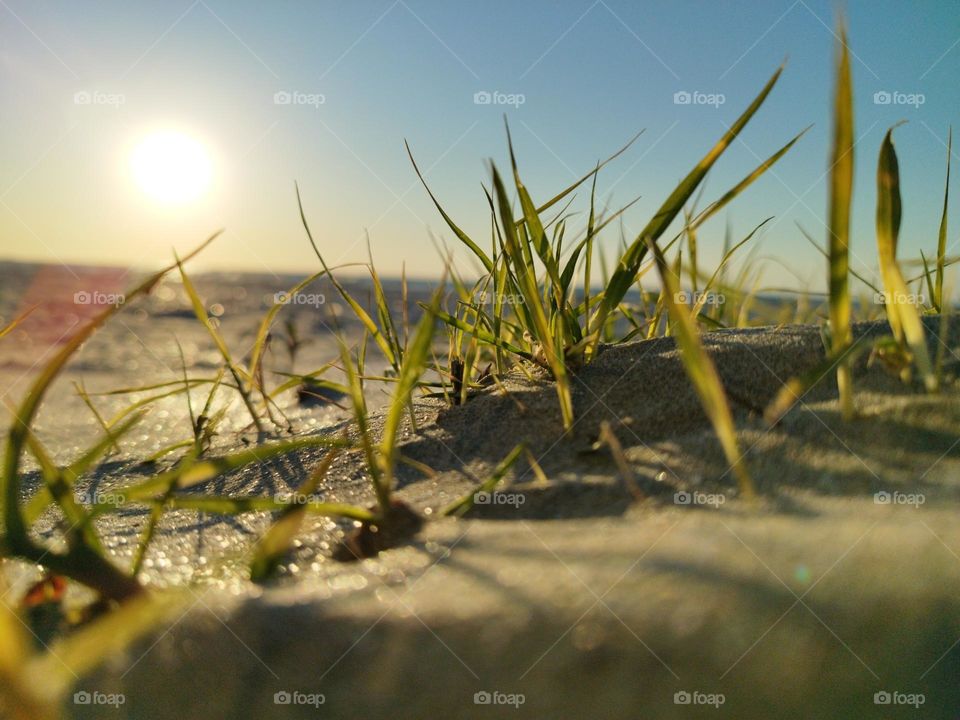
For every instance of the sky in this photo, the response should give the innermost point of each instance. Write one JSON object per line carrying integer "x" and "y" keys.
{"x": 325, "y": 93}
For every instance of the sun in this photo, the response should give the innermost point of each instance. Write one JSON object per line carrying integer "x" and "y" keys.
{"x": 171, "y": 168}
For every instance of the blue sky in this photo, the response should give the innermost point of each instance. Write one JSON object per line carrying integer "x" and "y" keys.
{"x": 590, "y": 75}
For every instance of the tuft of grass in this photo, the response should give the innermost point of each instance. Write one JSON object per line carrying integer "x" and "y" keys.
{"x": 841, "y": 193}
{"x": 543, "y": 308}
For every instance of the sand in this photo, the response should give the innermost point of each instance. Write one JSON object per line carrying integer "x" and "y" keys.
{"x": 593, "y": 595}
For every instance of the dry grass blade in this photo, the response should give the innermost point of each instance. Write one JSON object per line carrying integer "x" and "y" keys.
{"x": 841, "y": 192}
{"x": 702, "y": 373}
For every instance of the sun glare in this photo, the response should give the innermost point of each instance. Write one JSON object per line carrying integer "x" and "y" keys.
{"x": 171, "y": 168}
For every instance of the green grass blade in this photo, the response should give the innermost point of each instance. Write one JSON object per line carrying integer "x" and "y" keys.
{"x": 702, "y": 373}
{"x": 942, "y": 239}
{"x": 260, "y": 344}
{"x": 461, "y": 235}
{"x": 464, "y": 504}
{"x": 904, "y": 317}
{"x": 276, "y": 542}
{"x": 626, "y": 270}
{"x": 362, "y": 315}
{"x": 411, "y": 371}
{"x": 841, "y": 193}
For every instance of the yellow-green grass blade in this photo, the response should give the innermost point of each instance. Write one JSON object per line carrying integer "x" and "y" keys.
{"x": 276, "y": 542}
{"x": 360, "y": 417}
{"x": 83, "y": 650}
{"x": 727, "y": 197}
{"x": 796, "y": 387}
{"x": 625, "y": 272}
{"x": 191, "y": 472}
{"x": 535, "y": 229}
{"x": 16, "y": 321}
{"x": 414, "y": 365}
{"x": 260, "y": 344}
{"x": 702, "y": 299}
{"x": 826, "y": 255}
{"x": 461, "y": 506}
{"x": 232, "y": 505}
{"x": 703, "y": 374}
{"x": 566, "y": 191}
{"x": 841, "y": 193}
{"x": 461, "y": 235}
{"x": 362, "y": 315}
{"x": 540, "y": 325}
{"x": 904, "y": 317}
{"x": 942, "y": 239}
{"x": 201, "y": 314}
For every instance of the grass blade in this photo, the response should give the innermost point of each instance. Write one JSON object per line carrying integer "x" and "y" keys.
{"x": 903, "y": 316}
{"x": 942, "y": 239}
{"x": 626, "y": 270}
{"x": 841, "y": 192}
{"x": 702, "y": 373}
